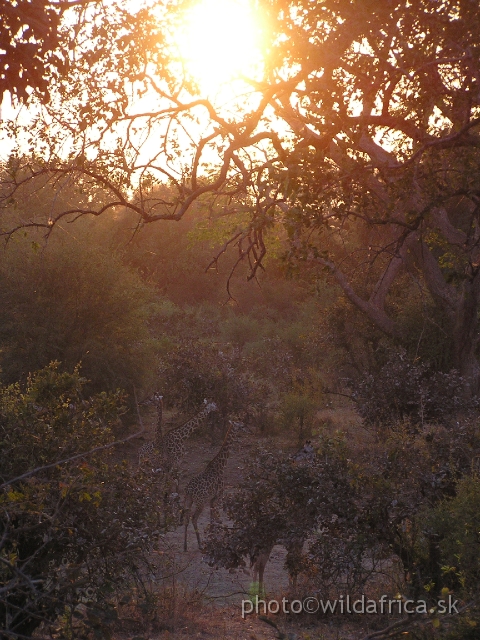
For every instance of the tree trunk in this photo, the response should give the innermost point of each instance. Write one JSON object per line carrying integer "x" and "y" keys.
{"x": 465, "y": 335}
{"x": 460, "y": 303}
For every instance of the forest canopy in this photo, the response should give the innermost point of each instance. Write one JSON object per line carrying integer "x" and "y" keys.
{"x": 356, "y": 131}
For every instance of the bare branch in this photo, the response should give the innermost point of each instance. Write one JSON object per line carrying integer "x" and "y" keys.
{"x": 77, "y": 456}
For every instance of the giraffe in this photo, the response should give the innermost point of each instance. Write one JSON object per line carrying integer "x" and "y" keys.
{"x": 208, "y": 485}
{"x": 293, "y": 544}
{"x": 152, "y": 450}
{"x": 174, "y": 442}
{"x": 261, "y": 554}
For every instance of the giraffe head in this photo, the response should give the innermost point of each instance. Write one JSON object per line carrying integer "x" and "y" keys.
{"x": 236, "y": 429}
{"x": 157, "y": 398}
{"x": 209, "y": 406}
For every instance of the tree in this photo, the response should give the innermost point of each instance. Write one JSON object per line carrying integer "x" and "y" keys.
{"x": 39, "y": 39}
{"x": 30, "y": 43}
{"x": 281, "y": 501}
{"x": 75, "y": 302}
{"x": 375, "y": 174}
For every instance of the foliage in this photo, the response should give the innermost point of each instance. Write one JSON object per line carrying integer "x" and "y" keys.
{"x": 402, "y": 479}
{"x": 280, "y": 502}
{"x": 75, "y": 302}
{"x": 405, "y": 390}
{"x": 373, "y": 174}
{"x": 356, "y": 155}
{"x": 44, "y": 52}
{"x": 240, "y": 329}
{"x": 296, "y": 413}
{"x": 194, "y": 371}
{"x": 455, "y": 523}
{"x": 30, "y": 42}
{"x": 74, "y": 533}
{"x": 410, "y": 499}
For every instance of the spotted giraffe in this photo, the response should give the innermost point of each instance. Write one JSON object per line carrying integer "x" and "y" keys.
{"x": 261, "y": 554}
{"x": 152, "y": 450}
{"x": 174, "y": 443}
{"x": 208, "y": 485}
{"x": 293, "y": 544}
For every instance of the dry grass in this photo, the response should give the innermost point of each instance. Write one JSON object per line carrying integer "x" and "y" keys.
{"x": 212, "y": 622}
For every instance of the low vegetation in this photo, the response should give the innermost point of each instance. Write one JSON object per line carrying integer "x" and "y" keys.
{"x": 88, "y": 329}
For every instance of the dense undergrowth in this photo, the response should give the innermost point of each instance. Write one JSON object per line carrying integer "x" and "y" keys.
{"x": 114, "y": 311}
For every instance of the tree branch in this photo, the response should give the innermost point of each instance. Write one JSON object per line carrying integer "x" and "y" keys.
{"x": 28, "y": 474}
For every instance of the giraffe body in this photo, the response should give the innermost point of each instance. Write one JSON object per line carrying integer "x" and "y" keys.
{"x": 292, "y": 543}
{"x": 261, "y": 555}
{"x": 174, "y": 442}
{"x": 208, "y": 486}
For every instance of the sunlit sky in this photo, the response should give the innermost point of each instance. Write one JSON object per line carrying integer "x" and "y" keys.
{"x": 220, "y": 41}
{"x": 218, "y": 44}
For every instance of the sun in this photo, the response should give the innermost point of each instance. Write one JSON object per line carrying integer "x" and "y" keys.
{"x": 220, "y": 42}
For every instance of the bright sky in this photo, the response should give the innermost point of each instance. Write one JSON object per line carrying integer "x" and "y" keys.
{"x": 220, "y": 41}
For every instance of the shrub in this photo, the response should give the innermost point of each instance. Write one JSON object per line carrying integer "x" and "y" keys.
{"x": 194, "y": 371}
{"x": 455, "y": 524}
{"x": 282, "y": 501}
{"x": 402, "y": 390}
{"x": 75, "y": 302}
{"x": 296, "y": 414}
{"x": 240, "y": 329}
{"x": 72, "y": 534}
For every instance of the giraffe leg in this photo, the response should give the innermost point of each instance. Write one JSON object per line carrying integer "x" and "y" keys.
{"x": 294, "y": 558}
{"x": 195, "y": 517}
{"x": 186, "y": 516}
{"x": 259, "y": 568}
{"x": 213, "y": 510}
{"x": 255, "y": 570}
{"x": 186, "y": 519}
{"x": 261, "y": 584}
{"x": 165, "y": 508}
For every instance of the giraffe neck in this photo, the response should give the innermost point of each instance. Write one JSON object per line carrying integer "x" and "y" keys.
{"x": 219, "y": 463}
{"x": 159, "y": 426}
{"x": 192, "y": 425}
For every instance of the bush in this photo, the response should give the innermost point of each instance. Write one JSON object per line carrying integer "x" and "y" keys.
{"x": 239, "y": 330}
{"x": 296, "y": 414}
{"x": 408, "y": 501}
{"x": 282, "y": 501}
{"x": 405, "y": 390}
{"x": 455, "y": 524}
{"x": 194, "y": 371}
{"x": 74, "y": 534}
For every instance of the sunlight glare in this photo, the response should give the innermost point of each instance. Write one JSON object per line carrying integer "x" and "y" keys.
{"x": 220, "y": 42}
